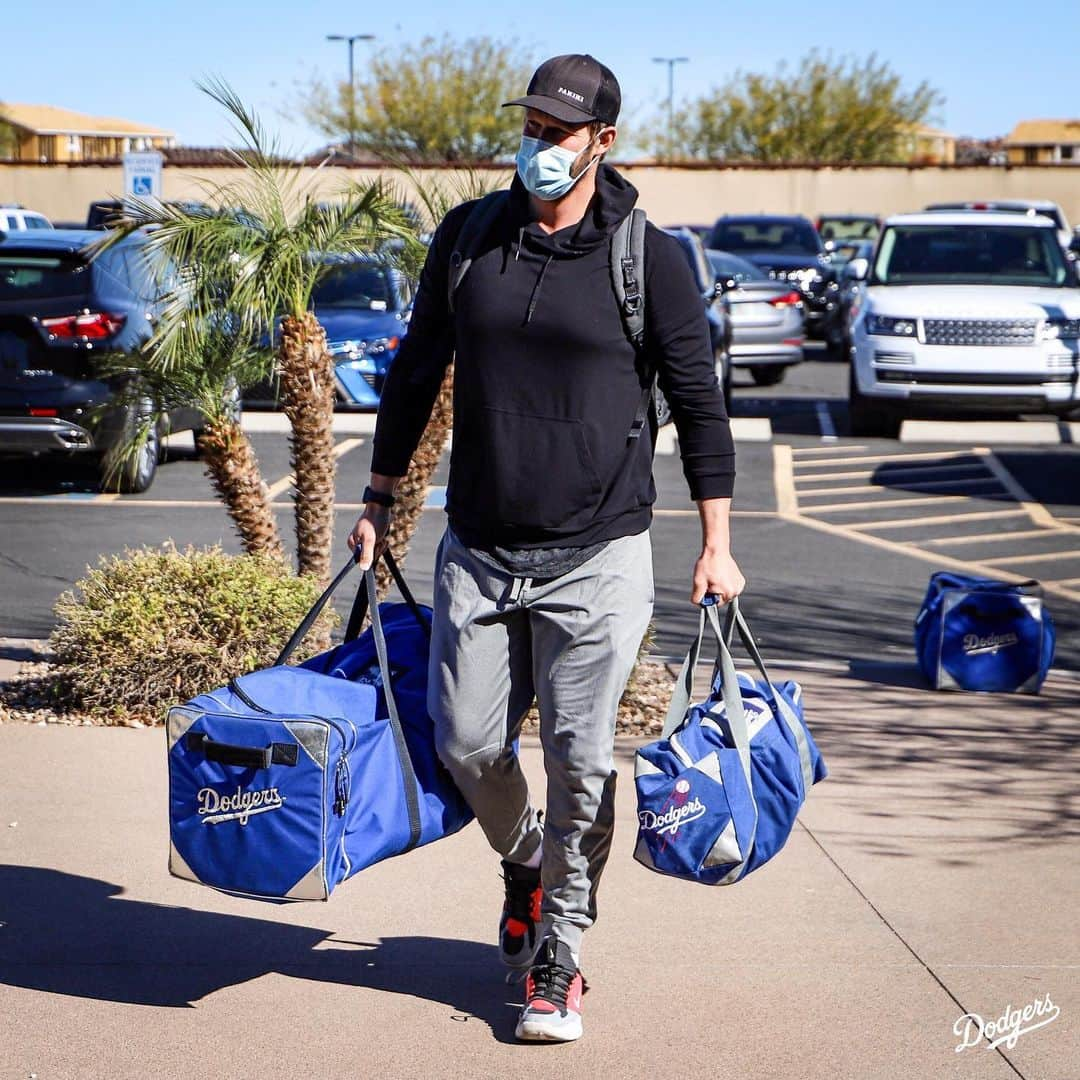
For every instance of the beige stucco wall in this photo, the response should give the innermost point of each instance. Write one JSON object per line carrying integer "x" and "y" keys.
{"x": 671, "y": 196}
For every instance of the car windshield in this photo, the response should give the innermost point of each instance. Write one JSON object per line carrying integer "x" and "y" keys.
{"x": 32, "y": 277}
{"x": 34, "y": 222}
{"x": 725, "y": 267}
{"x": 848, "y": 229}
{"x": 354, "y": 285}
{"x": 781, "y": 237}
{"x": 970, "y": 255}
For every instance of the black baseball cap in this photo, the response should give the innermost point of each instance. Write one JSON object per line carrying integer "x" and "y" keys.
{"x": 575, "y": 88}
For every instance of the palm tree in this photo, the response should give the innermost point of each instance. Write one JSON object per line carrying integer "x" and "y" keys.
{"x": 260, "y": 265}
{"x": 209, "y": 377}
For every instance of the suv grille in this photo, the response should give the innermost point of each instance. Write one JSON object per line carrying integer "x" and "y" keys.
{"x": 979, "y": 331}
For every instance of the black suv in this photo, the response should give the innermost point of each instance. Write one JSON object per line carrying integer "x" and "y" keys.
{"x": 60, "y": 314}
{"x": 788, "y": 248}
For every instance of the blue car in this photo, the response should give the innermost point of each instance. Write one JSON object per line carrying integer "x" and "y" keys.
{"x": 364, "y": 306}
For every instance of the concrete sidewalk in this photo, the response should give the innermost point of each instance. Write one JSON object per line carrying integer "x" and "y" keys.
{"x": 934, "y": 873}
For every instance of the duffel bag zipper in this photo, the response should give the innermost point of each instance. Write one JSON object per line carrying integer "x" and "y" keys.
{"x": 342, "y": 777}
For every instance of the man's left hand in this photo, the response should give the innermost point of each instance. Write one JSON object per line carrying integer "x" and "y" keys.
{"x": 716, "y": 573}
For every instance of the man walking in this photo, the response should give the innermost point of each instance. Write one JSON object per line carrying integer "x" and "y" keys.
{"x": 543, "y": 585}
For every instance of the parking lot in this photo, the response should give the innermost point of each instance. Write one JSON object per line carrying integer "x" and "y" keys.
{"x": 837, "y": 536}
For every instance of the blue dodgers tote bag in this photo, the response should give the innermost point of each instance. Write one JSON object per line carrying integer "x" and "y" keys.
{"x": 291, "y": 779}
{"x": 718, "y": 794}
{"x": 975, "y": 633}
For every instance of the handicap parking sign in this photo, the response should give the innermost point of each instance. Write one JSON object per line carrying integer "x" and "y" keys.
{"x": 142, "y": 174}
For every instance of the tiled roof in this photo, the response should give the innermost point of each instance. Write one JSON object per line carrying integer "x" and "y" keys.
{"x": 52, "y": 120}
{"x": 1044, "y": 133}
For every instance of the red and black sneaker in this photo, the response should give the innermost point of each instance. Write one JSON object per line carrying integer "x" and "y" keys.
{"x": 553, "y": 990}
{"x": 519, "y": 925}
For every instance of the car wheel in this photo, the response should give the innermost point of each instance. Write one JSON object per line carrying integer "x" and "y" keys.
{"x": 663, "y": 409}
{"x": 767, "y": 374}
{"x": 135, "y": 472}
{"x": 867, "y": 418}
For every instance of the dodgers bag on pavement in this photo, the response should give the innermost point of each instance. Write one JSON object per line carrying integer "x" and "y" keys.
{"x": 718, "y": 794}
{"x": 291, "y": 779}
{"x": 975, "y": 633}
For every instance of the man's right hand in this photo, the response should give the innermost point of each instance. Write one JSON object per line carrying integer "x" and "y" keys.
{"x": 369, "y": 533}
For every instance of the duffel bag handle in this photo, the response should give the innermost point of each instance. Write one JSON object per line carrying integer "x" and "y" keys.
{"x": 256, "y": 757}
{"x": 359, "y": 608}
{"x": 360, "y": 603}
{"x": 368, "y": 589}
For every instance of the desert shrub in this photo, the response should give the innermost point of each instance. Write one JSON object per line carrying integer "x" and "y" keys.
{"x": 153, "y": 627}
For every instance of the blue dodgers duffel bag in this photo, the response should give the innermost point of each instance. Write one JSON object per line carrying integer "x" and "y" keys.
{"x": 291, "y": 779}
{"x": 975, "y": 633}
{"x": 718, "y": 794}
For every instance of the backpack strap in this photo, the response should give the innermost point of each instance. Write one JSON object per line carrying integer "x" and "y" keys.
{"x": 475, "y": 228}
{"x": 628, "y": 281}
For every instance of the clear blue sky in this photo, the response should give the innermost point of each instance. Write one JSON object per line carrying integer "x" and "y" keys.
{"x": 995, "y": 63}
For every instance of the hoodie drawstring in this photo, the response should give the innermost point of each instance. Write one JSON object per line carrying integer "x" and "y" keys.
{"x": 536, "y": 289}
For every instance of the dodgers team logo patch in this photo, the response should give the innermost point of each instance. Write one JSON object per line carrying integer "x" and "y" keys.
{"x": 679, "y": 810}
{"x": 216, "y": 807}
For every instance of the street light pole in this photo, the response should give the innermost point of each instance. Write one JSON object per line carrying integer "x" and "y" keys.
{"x": 351, "y": 39}
{"x": 671, "y": 61}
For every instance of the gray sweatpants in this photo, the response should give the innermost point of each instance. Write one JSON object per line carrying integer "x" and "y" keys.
{"x": 498, "y": 641}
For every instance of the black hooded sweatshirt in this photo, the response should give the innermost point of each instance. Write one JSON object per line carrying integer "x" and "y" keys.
{"x": 547, "y": 383}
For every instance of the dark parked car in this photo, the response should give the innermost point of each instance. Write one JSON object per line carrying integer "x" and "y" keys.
{"x": 853, "y": 255}
{"x": 61, "y": 315}
{"x": 836, "y": 229}
{"x": 789, "y": 249}
{"x": 716, "y": 310}
{"x": 106, "y": 213}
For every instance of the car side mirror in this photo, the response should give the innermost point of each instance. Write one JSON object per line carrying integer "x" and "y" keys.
{"x": 724, "y": 285}
{"x": 857, "y": 270}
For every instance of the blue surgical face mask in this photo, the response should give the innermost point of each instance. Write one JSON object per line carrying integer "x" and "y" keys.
{"x": 545, "y": 169}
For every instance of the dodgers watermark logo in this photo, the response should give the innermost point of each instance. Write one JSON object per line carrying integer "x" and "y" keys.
{"x": 680, "y": 810}
{"x": 975, "y": 645}
{"x": 971, "y": 1028}
{"x": 215, "y": 807}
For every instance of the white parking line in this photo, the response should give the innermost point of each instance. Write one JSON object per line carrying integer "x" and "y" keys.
{"x": 806, "y": 450}
{"x": 286, "y": 482}
{"x": 1015, "y": 432}
{"x": 940, "y": 519}
{"x": 874, "y": 504}
{"x": 1044, "y": 556}
{"x": 825, "y": 422}
{"x": 987, "y": 538}
{"x": 923, "y": 456}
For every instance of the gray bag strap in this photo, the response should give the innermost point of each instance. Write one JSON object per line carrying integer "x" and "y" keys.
{"x": 475, "y": 228}
{"x": 408, "y": 774}
{"x": 729, "y": 687}
{"x": 627, "y": 263}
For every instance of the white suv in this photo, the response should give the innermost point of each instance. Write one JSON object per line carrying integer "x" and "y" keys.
{"x": 963, "y": 311}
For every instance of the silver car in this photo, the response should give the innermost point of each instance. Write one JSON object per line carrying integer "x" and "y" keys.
{"x": 767, "y": 321}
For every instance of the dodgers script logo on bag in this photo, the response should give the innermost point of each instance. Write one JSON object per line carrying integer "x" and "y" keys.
{"x": 215, "y": 807}
{"x": 671, "y": 817}
{"x": 975, "y": 645}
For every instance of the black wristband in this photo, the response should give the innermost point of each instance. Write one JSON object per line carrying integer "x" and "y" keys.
{"x": 380, "y": 498}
